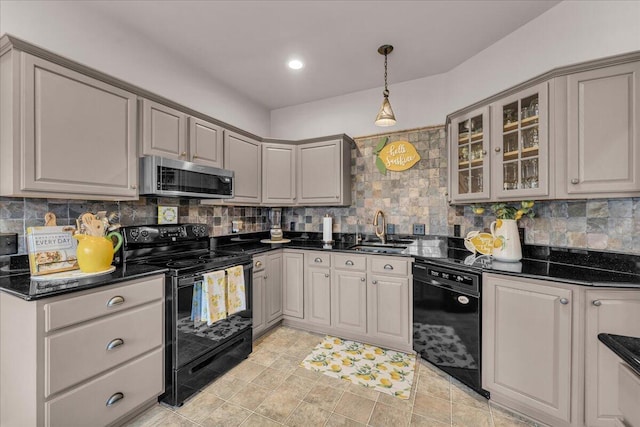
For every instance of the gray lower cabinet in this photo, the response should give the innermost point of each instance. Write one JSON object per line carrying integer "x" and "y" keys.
{"x": 540, "y": 349}
{"x": 64, "y": 134}
{"x": 317, "y": 288}
{"x": 258, "y": 303}
{"x": 74, "y": 354}
{"x": 349, "y": 301}
{"x": 527, "y": 346}
{"x": 614, "y": 312}
{"x": 598, "y": 117}
{"x": 292, "y": 284}
{"x": 388, "y": 308}
{"x": 273, "y": 288}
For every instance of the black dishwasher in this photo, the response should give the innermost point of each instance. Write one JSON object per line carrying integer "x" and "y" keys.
{"x": 447, "y": 320}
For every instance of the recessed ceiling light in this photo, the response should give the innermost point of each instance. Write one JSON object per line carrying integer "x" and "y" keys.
{"x": 295, "y": 64}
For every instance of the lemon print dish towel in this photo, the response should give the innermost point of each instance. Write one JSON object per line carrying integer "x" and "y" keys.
{"x": 387, "y": 371}
{"x": 236, "y": 295}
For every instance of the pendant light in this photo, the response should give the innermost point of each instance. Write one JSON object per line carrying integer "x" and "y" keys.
{"x": 385, "y": 116}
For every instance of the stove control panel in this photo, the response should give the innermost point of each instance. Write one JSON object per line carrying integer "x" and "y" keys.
{"x": 165, "y": 233}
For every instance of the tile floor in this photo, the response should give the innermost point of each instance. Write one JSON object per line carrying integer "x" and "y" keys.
{"x": 270, "y": 389}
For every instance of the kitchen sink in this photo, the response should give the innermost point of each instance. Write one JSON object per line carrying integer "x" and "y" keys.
{"x": 379, "y": 248}
{"x": 391, "y": 242}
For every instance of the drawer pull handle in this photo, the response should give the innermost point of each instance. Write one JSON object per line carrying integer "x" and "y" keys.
{"x": 349, "y": 262}
{"x": 597, "y": 303}
{"x": 115, "y": 343}
{"x": 317, "y": 259}
{"x": 564, "y": 301}
{"x": 115, "y": 397}
{"x": 117, "y": 300}
{"x": 258, "y": 264}
{"x": 388, "y": 267}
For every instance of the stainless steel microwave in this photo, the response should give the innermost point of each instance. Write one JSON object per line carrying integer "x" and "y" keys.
{"x": 177, "y": 178}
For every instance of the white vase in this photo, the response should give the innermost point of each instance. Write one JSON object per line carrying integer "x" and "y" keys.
{"x": 509, "y": 249}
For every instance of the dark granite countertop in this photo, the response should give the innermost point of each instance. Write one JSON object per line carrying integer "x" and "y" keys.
{"x": 21, "y": 285}
{"x": 579, "y": 267}
{"x": 628, "y": 348}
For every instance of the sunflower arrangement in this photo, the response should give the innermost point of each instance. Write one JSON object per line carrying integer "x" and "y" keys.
{"x": 504, "y": 211}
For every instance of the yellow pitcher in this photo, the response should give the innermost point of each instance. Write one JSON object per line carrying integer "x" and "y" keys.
{"x": 95, "y": 253}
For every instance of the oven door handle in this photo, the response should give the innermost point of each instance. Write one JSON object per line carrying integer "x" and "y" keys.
{"x": 446, "y": 288}
{"x": 190, "y": 281}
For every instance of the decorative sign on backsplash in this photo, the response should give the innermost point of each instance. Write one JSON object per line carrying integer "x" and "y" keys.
{"x": 396, "y": 156}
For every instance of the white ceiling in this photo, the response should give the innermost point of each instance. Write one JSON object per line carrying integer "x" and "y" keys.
{"x": 247, "y": 44}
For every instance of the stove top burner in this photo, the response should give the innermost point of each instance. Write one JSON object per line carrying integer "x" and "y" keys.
{"x": 184, "y": 263}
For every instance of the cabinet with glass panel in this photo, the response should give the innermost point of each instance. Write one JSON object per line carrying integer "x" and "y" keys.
{"x": 520, "y": 144}
{"x": 468, "y": 153}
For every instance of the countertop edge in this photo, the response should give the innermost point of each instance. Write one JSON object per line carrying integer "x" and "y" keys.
{"x": 625, "y": 353}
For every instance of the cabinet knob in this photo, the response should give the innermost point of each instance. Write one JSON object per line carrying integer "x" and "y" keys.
{"x": 374, "y": 282}
{"x": 265, "y": 277}
{"x": 115, "y": 397}
{"x": 597, "y": 303}
{"x": 326, "y": 274}
{"x": 337, "y": 197}
{"x": 497, "y": 149}
{"x": 388, "y": 267}
{"x": 348, "y": 262}
{"x": 133, "y": 186}
{"x": 183, "y": 154}
{"x": 362, "y": 279}
{"x": 319, "y": 260}
{"x": 575, "y": 181}
{"x": 484, "y": 152}
{"x": 117, "y": 300}
{"x": 258, "y": 263}
{"x": 115, "y": 343}
{"x": 564, "y": 301}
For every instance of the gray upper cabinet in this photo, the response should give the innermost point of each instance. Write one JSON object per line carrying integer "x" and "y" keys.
{"x": 470, "y": 165}
{"x": 278, "y": 174}
{"x": 64, "y": 134}
{"x": 599, "y": 120}
{"x": 572, "y": 133}
{"x": 520, "y": 142}
{"x": 324, "y": 173}
{"x": 243, "y": 156}
{"x": 163, "y": 131}
{"x": 205, "y": 143}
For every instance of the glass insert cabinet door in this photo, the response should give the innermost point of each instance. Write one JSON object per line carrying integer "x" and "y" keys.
{"x": 469, "y": 156}
{"x": 520, "y": 146}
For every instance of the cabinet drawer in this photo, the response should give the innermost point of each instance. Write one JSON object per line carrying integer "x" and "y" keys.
{"x": 138, "y": 381}
{"x": 259, "y": 263}
{"x": 350, "y": 262}
{"x": 629, "y": 395}
{"x": 317, "y": 259}
{"x": 388, "y": 265}
{"x": 79, "y": 353}
{"x": 78, "y": 309}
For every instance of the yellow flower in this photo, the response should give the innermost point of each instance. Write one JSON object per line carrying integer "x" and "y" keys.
{"x": 519, "y": 214}
{"x": 527, "y": 204}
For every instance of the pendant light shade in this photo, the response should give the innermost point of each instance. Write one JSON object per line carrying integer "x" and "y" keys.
{"x": 385, "y": 116}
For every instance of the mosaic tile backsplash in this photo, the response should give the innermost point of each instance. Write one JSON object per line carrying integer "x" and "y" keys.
{"x": 17, "y": 214}
{"x": 415, "y": 196}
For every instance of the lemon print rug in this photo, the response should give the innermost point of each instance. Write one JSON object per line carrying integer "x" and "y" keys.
{"x": 385, "y": 370}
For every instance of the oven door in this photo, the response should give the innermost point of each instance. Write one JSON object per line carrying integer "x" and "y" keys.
{"x": 194, "y": 338}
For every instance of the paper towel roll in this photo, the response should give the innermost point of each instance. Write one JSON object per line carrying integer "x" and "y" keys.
{"x": 327, "y": 227}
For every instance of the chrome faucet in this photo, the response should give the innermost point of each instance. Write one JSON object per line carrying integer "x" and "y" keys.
{"x": 381, "y": 234}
